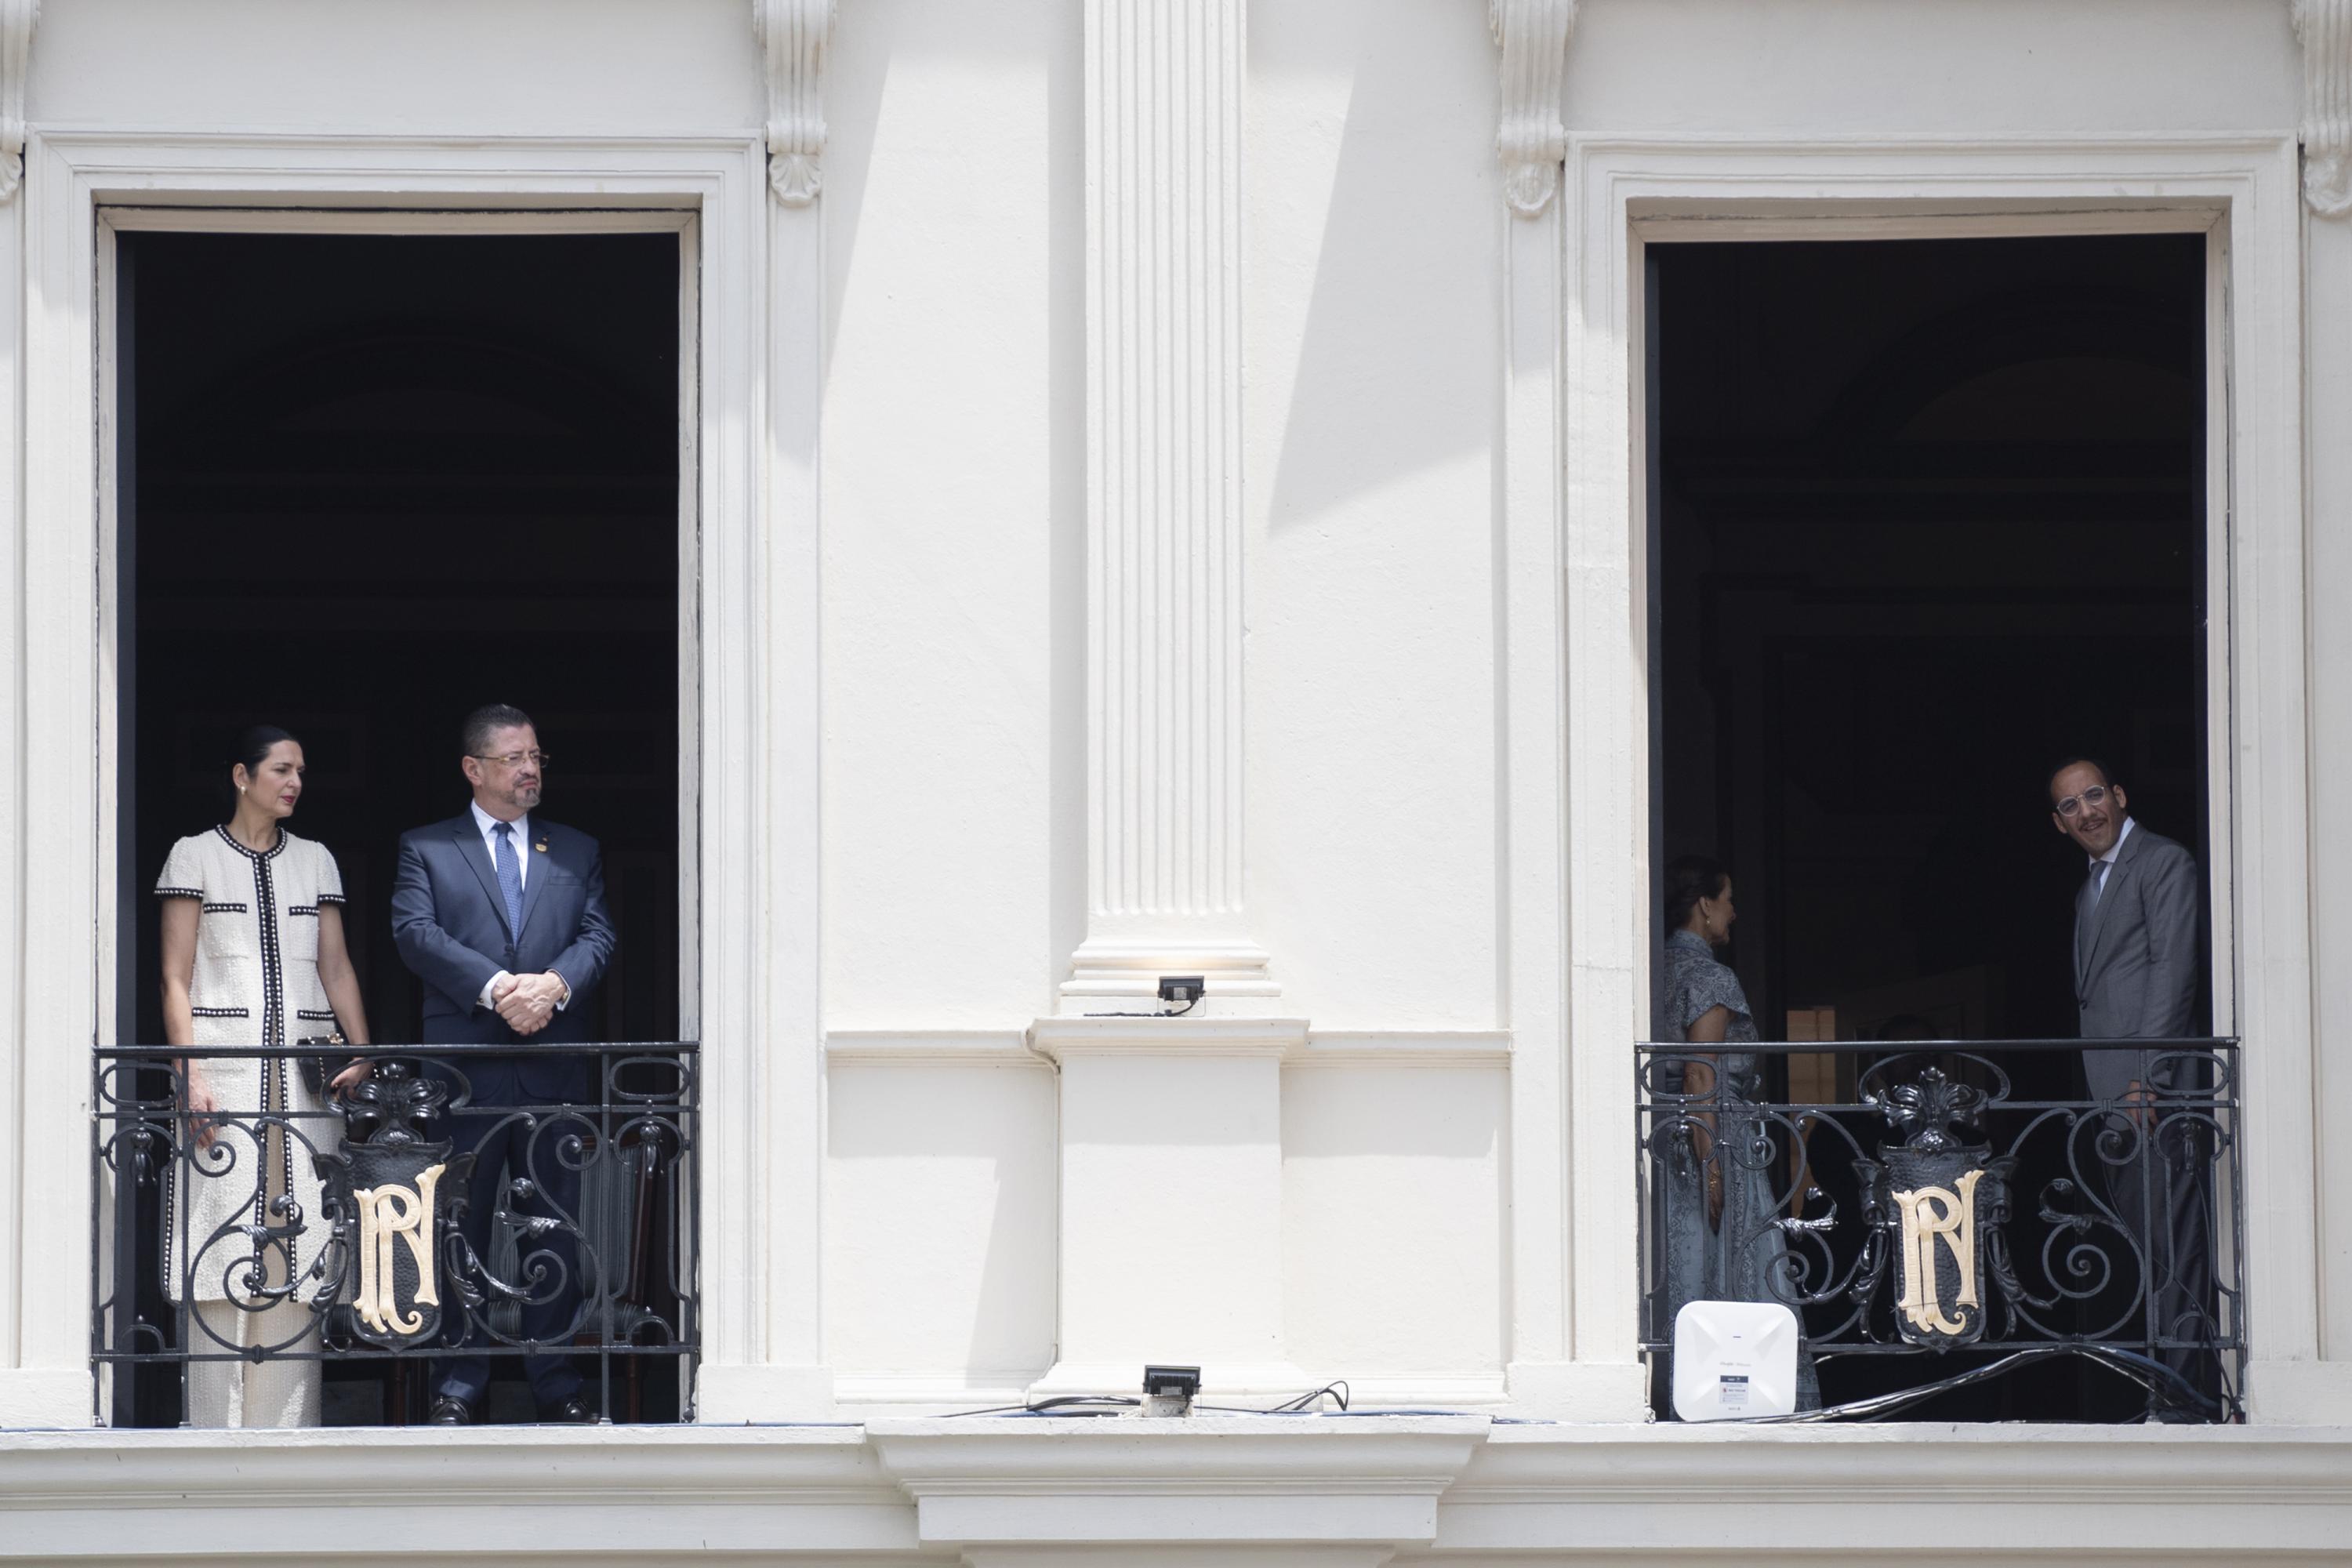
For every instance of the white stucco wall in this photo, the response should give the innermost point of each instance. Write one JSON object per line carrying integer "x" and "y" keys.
{"x": 1377, "y": 267}
{"x": 952, "y": 495}
{"x": 1371, "y": 368}
{"x": 1992, "y": 68}
{"x": 536, "y": 67}
{"x": 1371, "y": 374}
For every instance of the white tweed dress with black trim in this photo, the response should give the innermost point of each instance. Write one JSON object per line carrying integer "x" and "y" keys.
{"x": 255, "y": 983}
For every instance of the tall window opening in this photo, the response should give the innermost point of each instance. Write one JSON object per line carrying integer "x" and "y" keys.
{"x": 1928, "y": 517}
{"x": 367, "y": 483}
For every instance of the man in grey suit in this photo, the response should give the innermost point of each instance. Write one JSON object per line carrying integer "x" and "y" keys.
{"x": 2135, "y": 978}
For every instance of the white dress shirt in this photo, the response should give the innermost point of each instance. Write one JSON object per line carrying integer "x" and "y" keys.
{"x": 488, "y": 826}
{"x": 2100, "y": 864}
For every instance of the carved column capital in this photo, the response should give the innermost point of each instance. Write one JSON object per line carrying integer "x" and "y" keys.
{"x": 794, "y": 34}
{"x": 1530, "y": 138}
{"x": 16, "y": 18}
{"x": 2324, "y": 27}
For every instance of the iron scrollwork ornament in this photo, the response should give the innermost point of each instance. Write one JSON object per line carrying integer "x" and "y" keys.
{"x": 1938, "y": 1203}
{"x": 394, "y": 1197}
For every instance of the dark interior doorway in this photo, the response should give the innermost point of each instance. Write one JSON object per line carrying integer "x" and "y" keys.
{"x": 367, "y": 483}
{"x": 1927, "y": 516}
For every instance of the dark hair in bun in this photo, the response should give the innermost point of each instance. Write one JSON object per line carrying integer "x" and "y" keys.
{"x": 1688, "y": 880}
{"x": 253, "y": 749}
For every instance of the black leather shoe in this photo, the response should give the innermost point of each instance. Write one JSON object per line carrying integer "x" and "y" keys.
{"x": 572, "y": 1412}
{"x": 449, "y": 1410}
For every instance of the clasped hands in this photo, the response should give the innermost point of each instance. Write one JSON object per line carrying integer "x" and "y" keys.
{"x": 527, "y": 1002}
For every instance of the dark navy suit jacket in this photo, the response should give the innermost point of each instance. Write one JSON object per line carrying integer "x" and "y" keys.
{"x": 449, "y": 922}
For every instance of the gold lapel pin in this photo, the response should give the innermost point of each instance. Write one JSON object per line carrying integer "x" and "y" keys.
{"x": 540, "y": 847}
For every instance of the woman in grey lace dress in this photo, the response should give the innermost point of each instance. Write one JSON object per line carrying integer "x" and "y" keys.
{"x": 1722, "y": 1189}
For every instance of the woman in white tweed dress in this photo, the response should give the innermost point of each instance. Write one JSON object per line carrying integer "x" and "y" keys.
{"x": 253, "y": 956}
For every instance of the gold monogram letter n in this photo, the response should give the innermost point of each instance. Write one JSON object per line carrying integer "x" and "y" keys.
{"x": 395, "y": 1213}
{"x": 1928, "y": 1214}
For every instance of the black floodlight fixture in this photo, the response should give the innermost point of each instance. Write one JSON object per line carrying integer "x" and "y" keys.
{"x": 1169, "y": 1390}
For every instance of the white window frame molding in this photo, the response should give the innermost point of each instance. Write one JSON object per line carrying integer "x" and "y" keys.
{"x": 1576, "y": 743}
{"x": 747, "y": 681}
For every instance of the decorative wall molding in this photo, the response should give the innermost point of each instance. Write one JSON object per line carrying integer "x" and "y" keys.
{"x": 975, "y": 1047}
{"x": 1003, "y": 1047}
{"x": 1530, "y": 139}
{"x": 1241, "y": 1489}
{"x": 1163, "y": 113}
{"x": 16, "y": 19}
{"x": 2324, "y": 27}
{"x": 794, "y": 34}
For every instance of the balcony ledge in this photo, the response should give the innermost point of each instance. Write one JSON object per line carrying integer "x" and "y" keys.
{"x": 1307, "y": 1489}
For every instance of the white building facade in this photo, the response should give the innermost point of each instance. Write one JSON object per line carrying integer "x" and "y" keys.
{"x": 1162, "y": 493}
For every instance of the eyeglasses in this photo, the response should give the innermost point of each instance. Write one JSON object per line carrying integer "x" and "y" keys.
{"x": 2094, "y": 796}
{"x": 515, "y": 759}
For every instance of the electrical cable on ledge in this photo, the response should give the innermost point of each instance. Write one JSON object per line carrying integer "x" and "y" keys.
{"x": 1163, "y": 1013}
{"x": 1091, "y": 1403}
{"x": 1063, "y": 1405}
{"x": 2142, "y": 1370}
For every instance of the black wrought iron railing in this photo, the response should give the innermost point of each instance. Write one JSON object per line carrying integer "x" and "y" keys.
{"x": 370, "y": 1237}
{"x": 1963, "y": 1231}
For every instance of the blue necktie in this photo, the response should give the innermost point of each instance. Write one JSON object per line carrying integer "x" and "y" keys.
{"x": 509, "y": 879}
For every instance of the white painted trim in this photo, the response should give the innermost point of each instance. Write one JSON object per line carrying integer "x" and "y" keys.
{"x": 1843, "y": 1493}
{"x": 1404, "y": 1047}
{"x": 1145, "y": 1481}
{"x": 778, "y": 1146}
{"x": 1060, "y": 1039}
{"x": 941, "y": 1391}
{"x": 753, "y": 487}
{"x": 1351, "y": 1047}
{"x": 1531, "y": 770}
{"x": 222, "y": 219}
{"x": 22, "y": 1395}
{"x": 921, "y": 1488}
{"x": 975, "y": 1047}
{"x": 1621, "y": 192}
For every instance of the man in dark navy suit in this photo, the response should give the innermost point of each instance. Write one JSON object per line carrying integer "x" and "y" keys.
{"x": 501, "y": 914}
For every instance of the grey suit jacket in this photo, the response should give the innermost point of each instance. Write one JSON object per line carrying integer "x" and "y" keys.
{"x": 2135, "y": 956}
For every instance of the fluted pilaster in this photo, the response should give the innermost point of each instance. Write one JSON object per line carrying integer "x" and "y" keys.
{"x": 1164, "y": 499}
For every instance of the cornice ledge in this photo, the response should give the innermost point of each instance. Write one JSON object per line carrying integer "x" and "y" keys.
{"x": 666, "y": 1466}
{"x": 794, "y": 33}
{"x": 1146, "y": 1036}
{"x": 2323, "y": 28}
{"x": 1530, "y": 138}
{"x": 1914, "y": 1466}
{"x": 1201, "y": 1479}
{"x": 967, "y": 1045}
{"x": 16, "y": 19}
{"x": 933, "y": 1453}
